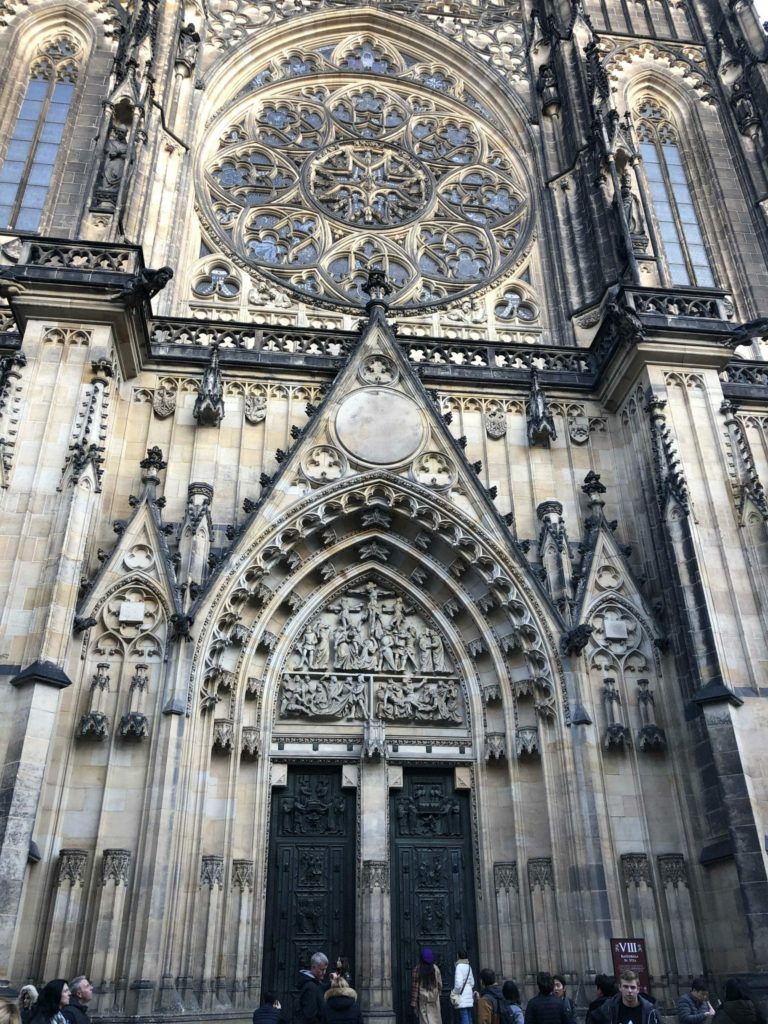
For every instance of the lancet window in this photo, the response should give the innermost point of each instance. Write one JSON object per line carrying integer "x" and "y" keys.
{"x": 26, "y": 172}
{"x": 673, "y": 206}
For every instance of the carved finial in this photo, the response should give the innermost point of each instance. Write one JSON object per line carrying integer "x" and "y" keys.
{"x": 377, "y": 286}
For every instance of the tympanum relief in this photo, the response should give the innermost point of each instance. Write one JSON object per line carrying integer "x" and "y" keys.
{"x": 371, "y": 654}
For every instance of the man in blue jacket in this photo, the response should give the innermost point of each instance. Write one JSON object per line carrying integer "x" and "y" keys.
{"x": 693, "y": 1007}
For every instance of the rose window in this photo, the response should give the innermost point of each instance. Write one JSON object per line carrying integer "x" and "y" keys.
{"x": 312, "y": 186}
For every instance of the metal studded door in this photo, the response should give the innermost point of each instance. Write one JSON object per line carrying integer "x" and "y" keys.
{"x": 311, "y": 879}
{"x": 433, "y": 902}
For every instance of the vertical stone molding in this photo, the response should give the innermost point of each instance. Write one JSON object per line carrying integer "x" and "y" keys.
{"x": 212, "y": 879}
{"x": 115, "y": 870}
{"x": 66, "y": 908}
{"x": 376, "y": 920}
{"x": 242, "y": 912}
{"x": 637, "y": 877}
{"x": 541, "y": 885}
{"x": 679, "y": 914}
{"x": 509, "y": 915}
{"x": 95, "y": 723}
{"x": 134, "y": 723}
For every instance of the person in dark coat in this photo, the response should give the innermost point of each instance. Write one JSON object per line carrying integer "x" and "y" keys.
{"x": 340, "y": 1005}
{"x": 312, "y": 987}
{"x": 606, "y": 987}
{"x": 546, "y": 1007}
{"x": 27, "y": 1000}
{"x": 561, "y": 993}
{"x": 270, "y": 1011}
{"x": 53, "y": 998}
{"x": 737, "y": 1006}
{"x": 627, "y": 1006}
{"x": 487, "y": 1004}
{"x": 80, "y": 994}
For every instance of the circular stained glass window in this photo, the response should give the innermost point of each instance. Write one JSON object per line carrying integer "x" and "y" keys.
{"x": 314, "y": 185}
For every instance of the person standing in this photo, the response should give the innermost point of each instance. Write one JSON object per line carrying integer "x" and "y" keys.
{"x": 511, "y": 994}
{"x": 737, "y": 1006}
{"x": 560, "y": 991}
{"x": 490, "y": 999}
{"x": 81, "y": 993}
{"x": 27, "y": 1000}
{"x": 605, "y": 987}
{"x": 341, "y": 1006}
{"x": 627, "y": 1006}
{"x": 694, "y": 1007}
{"x": 426, "y": 986}
{"x": 463, "y": 986}
{"x": 269, "y": 1012}
{"x": 53, "y": 998}
{"x": 545, "y": 1008}
{"x": 312, "y": 987}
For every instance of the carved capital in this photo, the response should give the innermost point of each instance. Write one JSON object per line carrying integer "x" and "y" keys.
{"x": 505, "y": 877}
{"x": 540, "y": 874}
{"x": 376, "y": 875}
{"x": 672, "y": 870}
{"x": 636, "y": 870}
{"x": 212, "y": 871}
{"x": 114, "y": 866}
{"x": 71, "y": 867}
{"x": 242, "y": 874}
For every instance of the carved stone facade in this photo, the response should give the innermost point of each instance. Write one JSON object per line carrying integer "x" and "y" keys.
{"x": 437, "y": 444}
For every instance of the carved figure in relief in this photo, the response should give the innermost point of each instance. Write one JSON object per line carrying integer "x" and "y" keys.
{"x": 425, "y": 653}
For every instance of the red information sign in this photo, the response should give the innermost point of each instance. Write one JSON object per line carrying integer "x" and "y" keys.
{"x": 629, "y": 955}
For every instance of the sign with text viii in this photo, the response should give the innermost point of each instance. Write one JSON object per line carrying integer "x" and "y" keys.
{"x": 629, "y": 955}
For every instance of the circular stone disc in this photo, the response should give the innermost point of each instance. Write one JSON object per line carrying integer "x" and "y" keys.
{"x": 380, "y": 426}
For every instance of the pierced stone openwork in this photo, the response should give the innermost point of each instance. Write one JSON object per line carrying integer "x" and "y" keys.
{"x": 316, "y": 184}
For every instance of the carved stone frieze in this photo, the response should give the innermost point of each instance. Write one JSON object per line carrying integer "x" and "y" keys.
{"x": 316, "y": 808}
{"x": 115, "y": 866}
{"x": 71, "y": 867}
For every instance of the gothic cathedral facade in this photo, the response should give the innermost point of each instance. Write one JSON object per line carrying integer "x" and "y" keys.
{"x": 383, "y": 440}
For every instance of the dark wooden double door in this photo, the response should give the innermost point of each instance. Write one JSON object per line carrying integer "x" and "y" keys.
{"x": 312, "y": 874}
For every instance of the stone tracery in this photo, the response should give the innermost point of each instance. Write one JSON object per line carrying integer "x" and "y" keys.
{"x": 315, "y": 185}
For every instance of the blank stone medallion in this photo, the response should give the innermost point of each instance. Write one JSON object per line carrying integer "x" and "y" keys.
{"x": 379, "y": 426}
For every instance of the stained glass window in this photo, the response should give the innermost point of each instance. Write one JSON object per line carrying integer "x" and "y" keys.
{"x": 679, "y": 230}
{"x": 26, "y": 172}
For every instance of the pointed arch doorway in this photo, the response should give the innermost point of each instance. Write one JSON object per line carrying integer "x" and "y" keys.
{"x": 311, "y": 877}
{"x": 433, "y": 893}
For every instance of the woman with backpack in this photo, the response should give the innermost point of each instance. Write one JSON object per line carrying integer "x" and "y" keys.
{"x": 426, "y": 986}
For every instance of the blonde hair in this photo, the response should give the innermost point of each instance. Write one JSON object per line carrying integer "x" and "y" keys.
{"x": 9, "y": 1012}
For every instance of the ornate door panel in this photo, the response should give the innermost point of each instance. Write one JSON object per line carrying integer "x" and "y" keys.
{"x": 433, "y": 900}
{"x": 311, "y": 879}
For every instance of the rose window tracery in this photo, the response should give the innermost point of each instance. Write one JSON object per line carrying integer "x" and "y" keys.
{"x": 314, "y": 185}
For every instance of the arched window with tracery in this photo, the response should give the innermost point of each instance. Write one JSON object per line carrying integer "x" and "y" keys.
{"x": 678, "y": 223}
{"x": 27, "y": 169}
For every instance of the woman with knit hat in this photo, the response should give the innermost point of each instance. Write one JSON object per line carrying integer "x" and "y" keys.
{"x": 426, "y": 987}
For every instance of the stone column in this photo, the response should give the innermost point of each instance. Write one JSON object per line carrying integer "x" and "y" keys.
{"x": 242, "y": 891}
{"x": 212, "y": 878}
{"x": 677, "y": 899}
{"x": 636, "y": 875}
{"x": 508, "y": 913}
{"x": 541, "y": 882}
{"x": 375, "y": 911}
{"x": 109, "y": 919}
{"x": 64, "y": 927}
